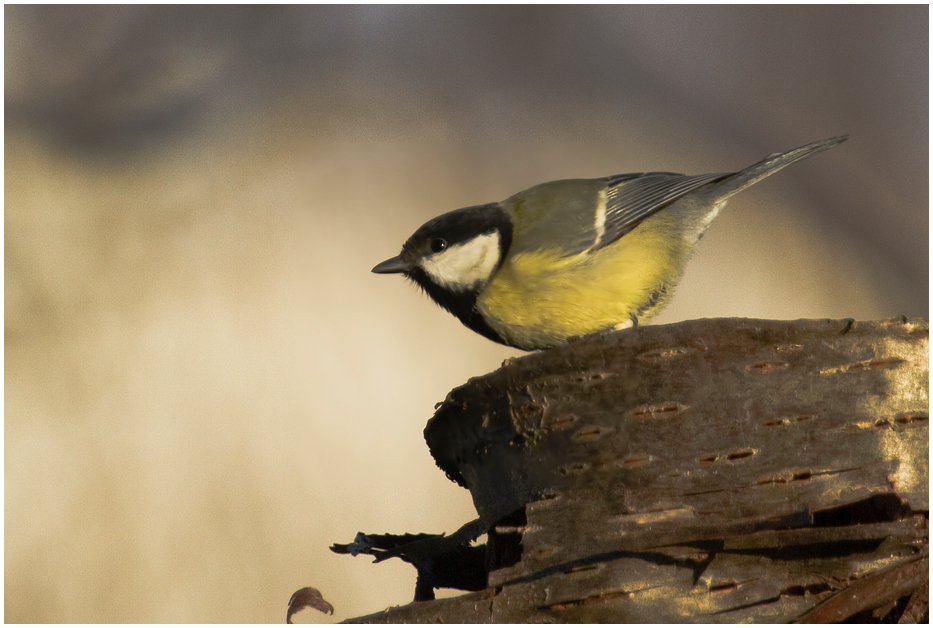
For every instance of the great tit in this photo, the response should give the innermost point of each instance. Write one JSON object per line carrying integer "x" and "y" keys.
{"x": 572, "y": 257}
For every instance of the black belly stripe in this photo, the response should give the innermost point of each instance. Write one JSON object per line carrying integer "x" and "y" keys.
{"x": 460, "y": 304}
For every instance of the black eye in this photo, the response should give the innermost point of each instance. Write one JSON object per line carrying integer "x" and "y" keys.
{"x": 438, "y": 245}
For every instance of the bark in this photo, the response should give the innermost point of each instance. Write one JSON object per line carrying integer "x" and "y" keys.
{"x": 724, "y": 470}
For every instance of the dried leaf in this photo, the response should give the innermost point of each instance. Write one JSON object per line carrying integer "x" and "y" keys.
{"x": 303, "y": 598}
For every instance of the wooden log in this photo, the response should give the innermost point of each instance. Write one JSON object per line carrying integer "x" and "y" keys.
{"x": 726, "y": 470}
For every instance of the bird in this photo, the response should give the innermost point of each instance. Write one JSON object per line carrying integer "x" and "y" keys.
{"x": 573, "y": 257}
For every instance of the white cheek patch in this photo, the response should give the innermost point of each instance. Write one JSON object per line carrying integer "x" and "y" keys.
{"x": 462, "y": 266}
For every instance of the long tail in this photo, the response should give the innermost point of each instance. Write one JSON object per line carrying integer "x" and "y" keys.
{"x": 768, "y": 166}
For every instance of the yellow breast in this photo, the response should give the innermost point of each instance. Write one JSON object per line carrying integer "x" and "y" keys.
{"x": 539, "y": 299}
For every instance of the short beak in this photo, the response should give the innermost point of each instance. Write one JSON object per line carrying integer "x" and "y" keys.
{"x": 390, "y": 266}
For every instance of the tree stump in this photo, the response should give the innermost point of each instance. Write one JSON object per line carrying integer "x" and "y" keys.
{"x": 724, "y": 470}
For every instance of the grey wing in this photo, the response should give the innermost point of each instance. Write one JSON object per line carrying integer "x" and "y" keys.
{"x": 630, "y": 198}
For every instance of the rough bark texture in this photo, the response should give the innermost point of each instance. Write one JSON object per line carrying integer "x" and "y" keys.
{"x": 724, "y": 470}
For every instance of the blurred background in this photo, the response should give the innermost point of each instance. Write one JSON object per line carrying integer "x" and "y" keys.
{"x": 205, "y": 386}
